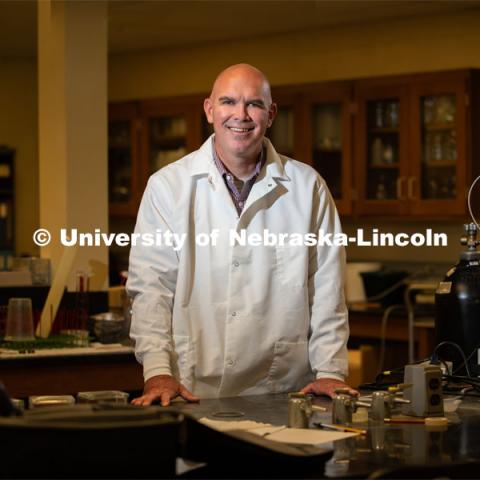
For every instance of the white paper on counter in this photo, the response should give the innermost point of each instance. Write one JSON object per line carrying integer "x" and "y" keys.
{"x": 303, "y": 436}
{"x": 225, "y": 425}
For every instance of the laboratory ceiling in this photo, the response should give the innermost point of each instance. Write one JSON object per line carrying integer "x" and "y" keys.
{"x": 150, "y": 25}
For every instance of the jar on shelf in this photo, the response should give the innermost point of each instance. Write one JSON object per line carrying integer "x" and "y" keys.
{"x": 437, "y": 147}
{"x": 381, "y": 192}
{"x": 392, "y": 114}
{"x": 429, "y": 109}
{"x": 388, "y": 154}
{"x": 379, "y": 120}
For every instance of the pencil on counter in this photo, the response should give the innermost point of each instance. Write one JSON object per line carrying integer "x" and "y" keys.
{"x": 341, "y": 428}
{"x": 429, "y": 421}
{"x": 405, "y": 420}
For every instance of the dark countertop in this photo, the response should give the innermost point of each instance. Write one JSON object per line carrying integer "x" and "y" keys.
{"x": 384, "y": 446}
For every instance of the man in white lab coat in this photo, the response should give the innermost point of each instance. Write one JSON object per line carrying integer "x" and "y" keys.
{"x": 222, "y": 306}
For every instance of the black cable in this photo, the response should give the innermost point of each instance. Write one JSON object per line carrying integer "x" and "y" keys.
{"x": 468, "y": 358}
{"x": 453, "y": 344}
{"x": 388, "y": 377}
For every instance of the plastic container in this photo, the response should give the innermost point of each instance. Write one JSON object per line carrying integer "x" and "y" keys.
{"x": 40, "y": 401}
{"x": 19, "y": 326}
{"x": 108, "y": 327}
{"x": 109, "y": 396}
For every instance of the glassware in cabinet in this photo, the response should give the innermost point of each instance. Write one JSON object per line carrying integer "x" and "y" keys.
{"x": 383, "y": 149}
{"x": 327, "y": 153}
{"x": 167, "y": 140}
{"x": 439, "y": 147}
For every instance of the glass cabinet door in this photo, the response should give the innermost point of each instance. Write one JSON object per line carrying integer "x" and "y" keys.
{"x": 167, "y": 140}
{"x": 327, "y": 155}
{"x": 439, "y": 147}
{"x": 325, "y": 138}
{"x": 383, "y": 149}
{"x": 120, "y": 162}
{"x": 123, "y": 158}
{"x": 438, "y": 177}
{"x": 281, "y": 133}
{"x": 171, "y": 131}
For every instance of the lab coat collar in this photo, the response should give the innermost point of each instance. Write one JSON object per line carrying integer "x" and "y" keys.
{"x": 203, "y": 164}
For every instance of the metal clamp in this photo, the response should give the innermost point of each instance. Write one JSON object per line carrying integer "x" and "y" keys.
{"x": 383, "y": 404}
{"x": 344, "y": 404}
{"x": 300, "y": 409}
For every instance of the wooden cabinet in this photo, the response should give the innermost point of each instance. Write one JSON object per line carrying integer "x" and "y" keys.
{"x": 313, "y": 125}
{"x": 124, "y": 130}
{"x": 145, "y": 136}
{"x": 170, "y": 130}
{"x": 414, "y": 144}
{"x": 286, "y": 132}
{"x": 7, "y": 205}
{"x": 392, "y": 146}
{"x": 381, "y": 148}
{"x": 328, "y": 138}
{"x": 440, "y": 171}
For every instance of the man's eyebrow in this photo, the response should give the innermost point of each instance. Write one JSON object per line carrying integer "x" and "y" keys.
{"x": 256, "y": 100}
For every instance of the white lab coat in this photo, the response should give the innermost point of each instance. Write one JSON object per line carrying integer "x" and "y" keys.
{"x": 238, "y": 320}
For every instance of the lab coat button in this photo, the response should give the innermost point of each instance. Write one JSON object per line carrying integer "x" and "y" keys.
{"x": 234, "y": 314}
{"x": 235, "y": 264}
{"x": 230, "y": 363}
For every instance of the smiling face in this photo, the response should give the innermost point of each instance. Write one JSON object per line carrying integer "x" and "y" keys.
{"x": 240, "y": 108}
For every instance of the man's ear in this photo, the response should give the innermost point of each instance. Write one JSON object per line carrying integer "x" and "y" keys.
{"x": 272, "y": 113}
{"x": 208, "y": 107}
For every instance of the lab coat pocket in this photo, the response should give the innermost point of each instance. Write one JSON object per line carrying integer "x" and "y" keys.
{"x": 290, "y": 368}
{"x": 182, "y": 365}
{"x": 292, "y": 263}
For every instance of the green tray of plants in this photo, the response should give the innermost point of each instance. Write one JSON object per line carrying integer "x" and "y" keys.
{"x": 53, "y": 341}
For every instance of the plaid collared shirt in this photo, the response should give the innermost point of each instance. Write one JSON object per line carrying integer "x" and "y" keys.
{"x": 239, "y": 197}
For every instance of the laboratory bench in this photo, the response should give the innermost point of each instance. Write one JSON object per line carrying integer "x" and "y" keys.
{"x": 102, "y": 441}
{"x": 70, "y": 370}
{"x": 387, "y": 450}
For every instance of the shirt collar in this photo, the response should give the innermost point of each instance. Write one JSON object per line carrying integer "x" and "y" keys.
{"x": 223, "y": 169}
{"x": 202, "y": 161}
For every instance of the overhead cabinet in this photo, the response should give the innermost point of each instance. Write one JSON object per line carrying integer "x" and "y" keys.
{"x": 391, "y": 146}
{"x": 327, "y": 143}
{"x": 415, "y": 143}
{"x": 124, "y": 187}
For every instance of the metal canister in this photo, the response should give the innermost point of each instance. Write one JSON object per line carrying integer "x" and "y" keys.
{"x": 38, "y": 401}
{"x": 297, "y": 413}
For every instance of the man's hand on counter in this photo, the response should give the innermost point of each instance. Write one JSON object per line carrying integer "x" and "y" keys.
{"x": 327, "y": 386}
{"x": 163, "y": 388}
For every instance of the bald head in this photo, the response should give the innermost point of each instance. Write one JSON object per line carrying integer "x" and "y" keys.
{"x": 240, "y": 108}
{"x": 245, "y": 73}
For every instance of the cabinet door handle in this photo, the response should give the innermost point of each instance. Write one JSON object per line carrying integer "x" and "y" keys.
{"x": 410, "y": 184}
{"x": 399, "y": 188}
